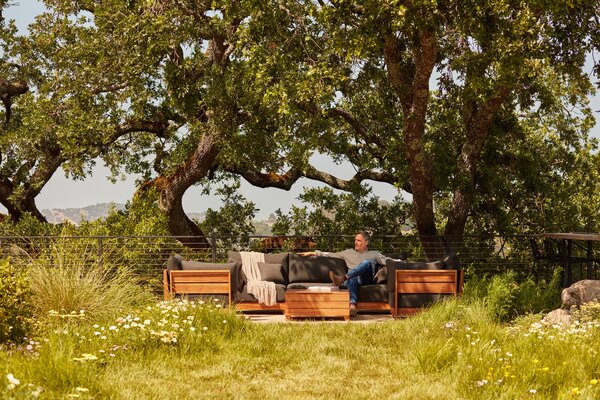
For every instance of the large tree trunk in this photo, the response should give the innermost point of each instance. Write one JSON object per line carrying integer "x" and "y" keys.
{"x": 477, "y": 120}
{"x": 172, "y": 188}
{"x": 411, "y": 83}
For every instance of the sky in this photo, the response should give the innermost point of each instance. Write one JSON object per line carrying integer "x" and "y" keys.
{"x": 61, "y": 192}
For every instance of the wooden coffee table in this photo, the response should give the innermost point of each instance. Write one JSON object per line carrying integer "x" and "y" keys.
{"x": 308, "y": 303}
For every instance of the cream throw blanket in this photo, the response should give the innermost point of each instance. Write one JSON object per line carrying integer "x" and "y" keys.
{"x": 264, "y": 291}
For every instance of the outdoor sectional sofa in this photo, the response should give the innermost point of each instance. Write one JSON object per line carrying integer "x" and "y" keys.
{"x": 293, "y": 271}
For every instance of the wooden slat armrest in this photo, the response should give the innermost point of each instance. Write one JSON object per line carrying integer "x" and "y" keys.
{"x": 427, "y": 282}
{"x": 198, "y": 282}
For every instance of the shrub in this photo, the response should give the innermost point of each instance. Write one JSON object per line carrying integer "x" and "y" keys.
{"x": 506, "y": 298}
{"x": 15, "y": 306}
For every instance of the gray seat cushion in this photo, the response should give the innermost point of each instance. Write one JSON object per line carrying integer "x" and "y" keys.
{"x": 373, "y": 293}
{"x": 244, "y": 296}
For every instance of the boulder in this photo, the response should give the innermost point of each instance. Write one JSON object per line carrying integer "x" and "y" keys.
{"x": 558, "y": 317}
{"x": 581, "y": 292}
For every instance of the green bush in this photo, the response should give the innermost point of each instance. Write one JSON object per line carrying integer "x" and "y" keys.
{"x": 506, "y": 298}
{"x": 15, "y": 306}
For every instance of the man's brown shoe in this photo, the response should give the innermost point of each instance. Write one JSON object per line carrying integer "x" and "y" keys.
{"x": 337, "y": 280}
{"x": 352, "y": 309}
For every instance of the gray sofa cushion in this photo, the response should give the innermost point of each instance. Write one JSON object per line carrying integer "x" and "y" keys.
{"x": 314, "y": 269}
{"x": 451, "y": 262}
{"x": 275, "y": 258}
{"x": 244, "y": 296}
{"x": 198, "y": 265}
{"x": 373, "y": 293}
{"x": 271, "y": 272}
{"x": 416, "y": 265}
{"x": 174, "y": 262}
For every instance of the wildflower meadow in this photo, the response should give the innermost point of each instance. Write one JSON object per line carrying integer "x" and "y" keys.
{"x": 200, "y": 349}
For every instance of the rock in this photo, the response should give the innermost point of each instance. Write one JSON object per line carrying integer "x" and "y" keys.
{"x": 558, "y": 317}
{"x": 581, "y": 292}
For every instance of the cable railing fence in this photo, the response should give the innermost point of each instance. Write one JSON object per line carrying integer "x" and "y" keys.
{"x": 146, "y": 256}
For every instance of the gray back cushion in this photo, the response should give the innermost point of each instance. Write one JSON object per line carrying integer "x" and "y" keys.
{"x": 274, "y": 258}
{"x": 314, "y": 269}
{"x": 174, "y": 262}
{"x": 188, "y": 265}
{"x": 416, "y": 265}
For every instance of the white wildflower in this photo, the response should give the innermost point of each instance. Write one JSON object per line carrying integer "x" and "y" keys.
{"x": 12, "y": 380}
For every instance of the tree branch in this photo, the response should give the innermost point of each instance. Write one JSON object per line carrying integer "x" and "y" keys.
{"x": 286, "y": 180}
{"x": 7, "y": 91}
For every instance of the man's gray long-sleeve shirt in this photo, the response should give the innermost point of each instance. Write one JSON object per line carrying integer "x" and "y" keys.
{"x": 353, "y": 257}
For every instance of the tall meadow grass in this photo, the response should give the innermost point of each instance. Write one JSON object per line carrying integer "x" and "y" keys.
{"x": 64, "y": 282}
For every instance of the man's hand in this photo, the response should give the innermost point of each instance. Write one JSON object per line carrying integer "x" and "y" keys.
{"x": 307, "y": 253}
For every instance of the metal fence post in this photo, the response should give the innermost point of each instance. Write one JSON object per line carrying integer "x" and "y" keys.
{"x": 213, "y": 245}
{"x": 100, "y": 253}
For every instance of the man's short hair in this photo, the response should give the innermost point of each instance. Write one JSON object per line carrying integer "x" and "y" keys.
{"x": 365, "y": 235}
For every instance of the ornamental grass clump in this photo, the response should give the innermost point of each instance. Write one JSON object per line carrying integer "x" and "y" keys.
{"x": 72, "y": 283}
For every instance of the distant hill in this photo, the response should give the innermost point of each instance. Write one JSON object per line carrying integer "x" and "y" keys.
{"x": 76, "y": 215}
{"x": 90, "y": 213}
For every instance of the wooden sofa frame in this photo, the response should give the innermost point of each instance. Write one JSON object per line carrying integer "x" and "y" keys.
{"x": 422, "y": 281}
{"x": 208, "y": 282}
{"x": 204, "y": 282}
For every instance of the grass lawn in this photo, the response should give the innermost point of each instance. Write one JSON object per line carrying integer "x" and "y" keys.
{"x": 179, "y": 350}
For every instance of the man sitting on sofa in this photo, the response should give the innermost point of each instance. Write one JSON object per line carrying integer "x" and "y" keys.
{"x": 361, "y": 266}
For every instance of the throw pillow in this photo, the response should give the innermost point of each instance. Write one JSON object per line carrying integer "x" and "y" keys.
{"x": 381, "y": 275}
{"x": 271, "y": 272}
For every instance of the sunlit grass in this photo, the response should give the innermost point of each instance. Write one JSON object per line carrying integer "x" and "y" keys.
{"x": 191, "y": 350}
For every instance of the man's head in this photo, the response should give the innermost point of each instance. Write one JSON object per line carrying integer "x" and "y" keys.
{"x": 361, "y": 242}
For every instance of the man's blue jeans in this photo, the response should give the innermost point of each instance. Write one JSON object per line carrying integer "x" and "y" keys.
{"x": 361, "y": 275}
